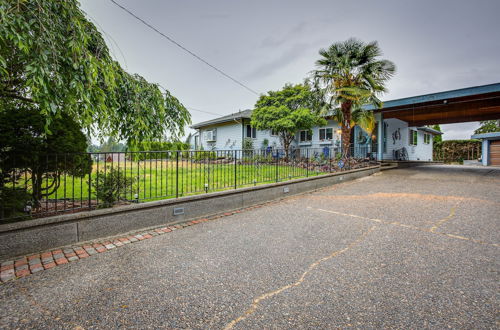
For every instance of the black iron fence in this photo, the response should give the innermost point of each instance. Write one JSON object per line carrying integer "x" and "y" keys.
{"x": 54, "y": 184}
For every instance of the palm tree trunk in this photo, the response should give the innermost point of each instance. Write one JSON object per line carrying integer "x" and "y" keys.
{"x": 346, "y": 129}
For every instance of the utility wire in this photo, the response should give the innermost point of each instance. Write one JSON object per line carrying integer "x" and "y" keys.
{"x": 193, "y": 109}
{"x": 125, "y": 60}
{"x": 184, "y": 48}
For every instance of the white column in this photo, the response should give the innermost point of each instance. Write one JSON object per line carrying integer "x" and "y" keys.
{"x": 380, "y": 139}
{"x": 485, "y": 152}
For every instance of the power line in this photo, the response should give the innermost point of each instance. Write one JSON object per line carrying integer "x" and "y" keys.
{"x": 203, "y": 111}
{"x": 125, "y": 60}
{"x": 193, "y": 109}
{"x": 184, "y": 48}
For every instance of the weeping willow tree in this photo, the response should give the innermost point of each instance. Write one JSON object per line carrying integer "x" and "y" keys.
{"x": 54, "y": 60}
{"x": 58, "y": 78}
{"x": 349, "y": 75}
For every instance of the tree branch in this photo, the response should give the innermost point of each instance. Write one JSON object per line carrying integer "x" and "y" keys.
{"x": 16, "y": 96}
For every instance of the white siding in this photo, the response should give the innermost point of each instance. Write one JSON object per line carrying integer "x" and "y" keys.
{"x": 315, "y": 142}
{"x": 392, "y": 142}
{"x": 421, "y": 151}
{"x": 274, "y": 141}
{"x": 228, "y": 137}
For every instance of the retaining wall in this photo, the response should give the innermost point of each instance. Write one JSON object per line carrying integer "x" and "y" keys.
{"x": 36, "y": 235}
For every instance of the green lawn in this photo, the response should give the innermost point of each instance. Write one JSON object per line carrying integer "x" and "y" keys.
{"x": 158, "y": 179}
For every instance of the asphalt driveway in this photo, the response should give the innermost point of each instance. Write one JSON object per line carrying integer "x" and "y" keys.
{"x": 413, "y": 248}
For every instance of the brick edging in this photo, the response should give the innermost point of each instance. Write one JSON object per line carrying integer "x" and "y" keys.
{"x": 34, "y": 263}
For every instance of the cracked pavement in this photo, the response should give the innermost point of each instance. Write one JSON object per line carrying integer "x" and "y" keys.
{"x": 405, "y": 248}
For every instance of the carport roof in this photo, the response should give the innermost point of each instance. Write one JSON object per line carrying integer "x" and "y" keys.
{"x": 454, "y": 106}
{"x": 487, "y": 136}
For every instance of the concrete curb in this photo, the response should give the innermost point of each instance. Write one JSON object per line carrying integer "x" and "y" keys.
{"x": 42, "y": 234}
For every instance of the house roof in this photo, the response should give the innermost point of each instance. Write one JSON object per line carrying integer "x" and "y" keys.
{"x": 459, "y": 105}
{"x": 429, "y": 130}
{"x": 245, "y": 114}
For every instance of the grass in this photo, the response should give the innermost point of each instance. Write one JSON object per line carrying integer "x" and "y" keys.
{"x": 163, "y": 179}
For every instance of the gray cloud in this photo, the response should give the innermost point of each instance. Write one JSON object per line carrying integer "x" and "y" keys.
{"x": 277, "y": 63}
{"x": 292, "y": 34}
{"x": 459, "y": 131}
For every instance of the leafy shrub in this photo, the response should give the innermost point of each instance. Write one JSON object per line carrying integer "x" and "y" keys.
{"x": 110, "y": 184}
{"x": 263, "y": 158}
{"x": 247, "y": 146}
{"x": 158, "y": 150}
{"x": 13, "y": 202}
{"x": 457, "y": 150}
{"x": 204, "y": 155}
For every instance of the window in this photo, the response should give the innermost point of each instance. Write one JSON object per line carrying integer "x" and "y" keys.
{"x": 305, "y": 136}
{"x": 274, "y": 132}
{"x": 210, "y": 135}
{"x": 251, "y": 132}
{"x": 412, "y": 137}
{"x": 325, "y": 134}
{"x": 427, "y": 138}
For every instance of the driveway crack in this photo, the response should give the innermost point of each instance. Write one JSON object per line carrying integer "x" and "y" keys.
{"x": 256, "y": 302}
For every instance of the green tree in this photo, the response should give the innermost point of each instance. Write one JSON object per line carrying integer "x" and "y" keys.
{"x": 53, "y": 59}
{"x": 437, "y": 138}
{"x": 488, "y": 126}
{"x": 287, "y": 111}
{"x": 350, "y": 75}
{"x": 26, "y": 148}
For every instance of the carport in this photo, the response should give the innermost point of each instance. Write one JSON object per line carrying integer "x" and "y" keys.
{"x": 455, "y": 106}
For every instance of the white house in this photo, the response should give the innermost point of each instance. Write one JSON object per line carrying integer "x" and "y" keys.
{"x": 400, "y": 142}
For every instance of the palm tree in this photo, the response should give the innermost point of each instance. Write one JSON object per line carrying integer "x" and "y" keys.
{"x": 349, "y": 75}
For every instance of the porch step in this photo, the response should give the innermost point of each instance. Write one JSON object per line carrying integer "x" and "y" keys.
{"x": 388, "y": 166}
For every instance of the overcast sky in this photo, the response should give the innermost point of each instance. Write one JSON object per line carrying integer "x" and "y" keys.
{"x": 436, "y": 45}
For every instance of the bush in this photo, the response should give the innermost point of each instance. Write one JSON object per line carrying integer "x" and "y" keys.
{"x": 457, "y": 150}
{"x": 247, "y": 146}
{"x": 162, "y": 148}
{"x": 204, "y": 155}
{"x": 109, "y": 184}
{"x": 13, "y": 201}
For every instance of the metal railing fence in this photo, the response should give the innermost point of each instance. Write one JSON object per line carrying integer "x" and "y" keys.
{"x": 66, "y": 183}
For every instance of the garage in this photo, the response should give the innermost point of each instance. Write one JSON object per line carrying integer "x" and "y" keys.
{"x": 495, "y": 153}
{"x": 490, "y": 148}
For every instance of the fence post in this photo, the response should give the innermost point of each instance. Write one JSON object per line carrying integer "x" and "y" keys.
{"x": 330, "y": 154}
{"x": 235, "y": 169}
{"x": 276, "y": 165}
{"x": 307, "y": 162}
{"x": 177, "y": 174}
{"x": 90, "y": 183}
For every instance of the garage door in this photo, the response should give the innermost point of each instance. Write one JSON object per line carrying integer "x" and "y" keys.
{"x": 495, "y": 153}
